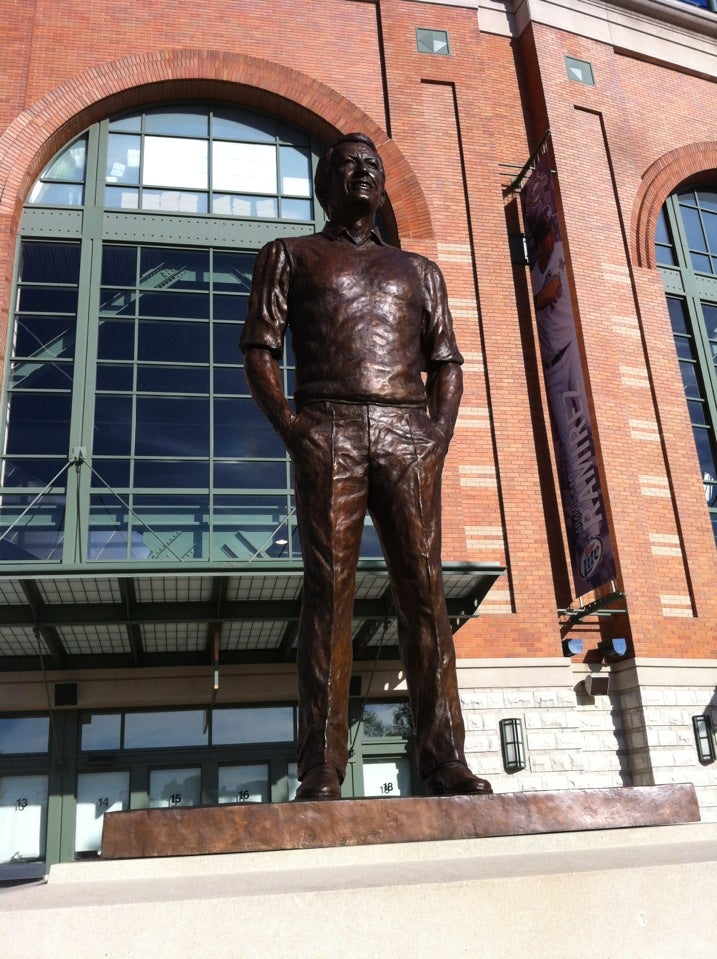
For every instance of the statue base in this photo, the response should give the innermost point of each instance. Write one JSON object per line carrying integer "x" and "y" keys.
{"x": 254, "y": 827}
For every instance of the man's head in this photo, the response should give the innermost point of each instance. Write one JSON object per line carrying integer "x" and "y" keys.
{"x": 544, "y": 235}
{"x": 350, "y": 176}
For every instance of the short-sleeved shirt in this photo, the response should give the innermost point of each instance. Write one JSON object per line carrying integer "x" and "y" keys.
{"x": 365, "y": 318}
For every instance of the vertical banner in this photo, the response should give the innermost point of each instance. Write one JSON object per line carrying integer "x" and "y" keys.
{"x": 591, "y": 552}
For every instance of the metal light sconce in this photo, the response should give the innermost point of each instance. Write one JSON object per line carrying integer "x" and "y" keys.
{"x": 613, "y": 650}
{"x": 704, "y": 738}
{"x": 511, "y": 745}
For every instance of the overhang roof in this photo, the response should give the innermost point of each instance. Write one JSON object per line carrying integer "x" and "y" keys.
{"x": 87, "y": 618}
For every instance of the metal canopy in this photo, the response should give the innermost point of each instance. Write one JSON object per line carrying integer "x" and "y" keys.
{"x": 87, "y": 619}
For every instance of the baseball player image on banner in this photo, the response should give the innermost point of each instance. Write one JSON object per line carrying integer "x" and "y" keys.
{"x": 592, "y": 557}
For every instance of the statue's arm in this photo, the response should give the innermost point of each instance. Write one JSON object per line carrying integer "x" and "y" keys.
{"x": 444, "y": 388}
{"x": 264, "y": 378}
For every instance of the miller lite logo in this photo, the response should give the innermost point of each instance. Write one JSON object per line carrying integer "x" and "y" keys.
{"x": 590, "y": 558}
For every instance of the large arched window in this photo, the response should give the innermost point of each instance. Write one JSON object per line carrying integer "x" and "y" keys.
{"x": 128, "y": 431}
{"x": 686, "y": 247}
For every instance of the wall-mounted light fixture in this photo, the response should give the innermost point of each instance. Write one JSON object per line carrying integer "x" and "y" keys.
{"x": 704, "y": 738}
{"x": 572, "y": 647}
{"x": 612, "y": 650}
{"x": 597, "y": 684}
{"x": 511, "y": 745}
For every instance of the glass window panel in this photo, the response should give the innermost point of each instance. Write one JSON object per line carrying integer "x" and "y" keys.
{"x": 232, "y": 271}
{"x": 107, "y": 537}
{"x": 28, "y": 374}
{"x": 664, "y": 255}
{"x": 231, "y": 308}
{"x": 70, "y": 164}
{"x": 170, "y": 788}
{"x": 174, "y": 342}
{"x": 170, "y": 528}
{"x": 119, "y": 265}
{"x": 251, "y": 475}
{"x": 38, "y": 423}
{"x": 387, "y": 777}
{"x": 172, "y": 426}
{"x": 31, "y": 472}
{"x": 174, "y": 304}
{"x": 690, "y": 379}
{"x": 292, "y": 773}
{"x": 295, "y": 167}
{"x": 114, "y": 472}
{"x": 241, "y": 430}
{"x": 183, "y": 121}
{"x": 688, "y": 198}
{"x": 226, "y": 337}
{"x": 698, "y": 412}
{"x": 709, "y": 312}
{"x": 174, "y": 269}
{"x": 229, "y": 380}
{"x": 171, "y": 474}
{"x": 174, "y": 201}
{"x": 172, "y": 379}
{"x": 97, "y": 794}
{"x": 678, "y": 314}
{"x": 50, "y": 263}
{"x": 47, "y": 299}
{"x": 111, "y": 376}
{"x": 247, "y": 527}
{"x": 23, "y": 817}
{"x": 115, "y": 340}
{"x": 296, "y": 210}
{"x": 123, "y": 158}
{"x": 264, "y": 207}
{"x": 701, "y": 263}
{"x": 101, "y": 731}
{"x": 244, "y": 167}
{"x": 121, "y": 198}
{"x": 705, "y": 453}
{"x": 685, "y": 347}
{"x": 57, "y": 194}
{"x": 176, "y": 727}
{"x": 253, "y": 724}
{"x": 693, "y": 229}
{"x": 707, "y": 197}
{"x": 113, "y": 425}
{"x": 131, "y": 123}
{"x": 710, "y": 224}
{"x": 39, "y": 533}
{"x": 233, "y": 125}
{"x": 24, "y": 734}
{"x": 370, "y": 544}
{"x": 245, "y": 783}
{"x": 45, "y": 336}
{"x": 175, "y": 162}
{"x": 662, "y": 233}
{"x": 386, "y": 719}
{"x": 117, "y": 302}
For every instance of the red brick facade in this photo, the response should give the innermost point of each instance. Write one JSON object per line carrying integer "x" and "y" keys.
{"x": 444, "y": 126}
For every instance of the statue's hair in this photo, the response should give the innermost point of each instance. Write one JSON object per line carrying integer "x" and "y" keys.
{"x": 323, "y": 167}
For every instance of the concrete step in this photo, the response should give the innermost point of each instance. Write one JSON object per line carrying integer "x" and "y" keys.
{"x": 608, "y": 894}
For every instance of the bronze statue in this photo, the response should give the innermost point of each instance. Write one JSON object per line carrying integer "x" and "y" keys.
{"x": 366, "y": 320}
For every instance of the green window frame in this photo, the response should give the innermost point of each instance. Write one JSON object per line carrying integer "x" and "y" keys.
{"x": 686, "y": 253}
{"x": 130, "y": 437}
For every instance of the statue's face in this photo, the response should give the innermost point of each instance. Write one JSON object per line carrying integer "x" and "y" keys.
{"x": 356, "y": 181}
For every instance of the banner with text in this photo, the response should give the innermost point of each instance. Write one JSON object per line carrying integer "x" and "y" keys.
{"x": 591, "y": 551}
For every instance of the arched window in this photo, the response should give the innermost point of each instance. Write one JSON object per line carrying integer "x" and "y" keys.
{"x": 128, "y": 431}
{"x": 686, "y": 248}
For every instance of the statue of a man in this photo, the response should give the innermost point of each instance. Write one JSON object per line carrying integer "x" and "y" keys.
{"x": 366, "y": 319}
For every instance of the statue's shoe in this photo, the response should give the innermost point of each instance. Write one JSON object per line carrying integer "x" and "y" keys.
{"x": 320, "y": 783}
{"x": 456, "y": 779}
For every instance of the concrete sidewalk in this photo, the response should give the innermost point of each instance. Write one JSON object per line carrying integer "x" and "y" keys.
{"x": 612, "y": 894}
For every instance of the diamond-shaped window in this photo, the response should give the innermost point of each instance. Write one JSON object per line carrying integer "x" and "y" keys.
{"x": 433, "y": 41}
{"x": 580, "y": 71}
